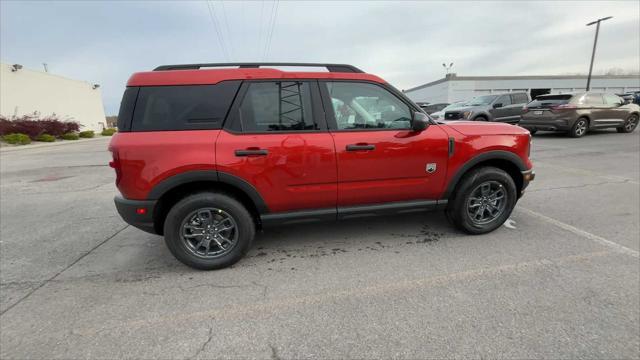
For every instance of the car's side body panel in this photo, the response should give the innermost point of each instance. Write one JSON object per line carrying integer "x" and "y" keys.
{"x": 147, "y": 158}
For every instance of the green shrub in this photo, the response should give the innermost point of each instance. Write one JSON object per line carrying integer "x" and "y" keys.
{"x": 109, "y": 131}
{"x": 86, "y": 134}
{"x": 70, "y": 136}
{"x": 20, "y": 139}
{"x": 46, "y": 138}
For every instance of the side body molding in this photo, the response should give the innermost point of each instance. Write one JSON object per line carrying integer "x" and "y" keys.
{"x": 490, "y": 155}
{"x": 209, "y": 175}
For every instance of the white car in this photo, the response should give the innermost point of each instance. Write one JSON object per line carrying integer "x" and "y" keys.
{"x": 439, "y": 115}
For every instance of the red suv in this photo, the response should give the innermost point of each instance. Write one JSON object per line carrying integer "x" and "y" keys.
{"x": 207, "y": 156}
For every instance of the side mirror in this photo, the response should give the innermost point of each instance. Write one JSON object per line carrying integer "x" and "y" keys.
{"x": 420, "y": 121}
{"x": 498, "y": 105}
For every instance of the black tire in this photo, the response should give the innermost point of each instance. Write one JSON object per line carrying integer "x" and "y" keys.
{"x": 480, "y": 118}
{"x": 217, "y": 205}
{"x": 579, "y": 128}
{"x": 458, "y": 209}
{"x": 629, "y": 125}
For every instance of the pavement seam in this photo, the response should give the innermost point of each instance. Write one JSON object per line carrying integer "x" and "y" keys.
{"x": 627, "y": 181}
{"x": 585, "y": 234}
{"x": 260, "y": 308}
{"x": 61, "y": 271}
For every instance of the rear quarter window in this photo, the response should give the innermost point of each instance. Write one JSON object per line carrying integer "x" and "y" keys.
{"x": 185, "y": 107}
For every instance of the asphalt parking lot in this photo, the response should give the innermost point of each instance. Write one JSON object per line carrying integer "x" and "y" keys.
{"x": 562, "y": 281}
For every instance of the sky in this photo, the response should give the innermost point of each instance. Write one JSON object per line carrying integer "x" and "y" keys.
{"x": 404, "y": 42}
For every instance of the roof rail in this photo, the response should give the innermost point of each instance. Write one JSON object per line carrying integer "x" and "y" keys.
{"x": 330, "y": 67}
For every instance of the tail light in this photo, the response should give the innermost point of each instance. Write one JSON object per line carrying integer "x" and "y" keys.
{"x": 115, "y": 164}
{"x": 525, "y": 109}
{"x": 561, "y": 107}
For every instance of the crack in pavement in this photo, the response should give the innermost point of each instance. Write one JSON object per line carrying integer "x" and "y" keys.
{"x": 274, "y": 353}
{"x": 43, "y": 283}
{"x": 204, "y": 345}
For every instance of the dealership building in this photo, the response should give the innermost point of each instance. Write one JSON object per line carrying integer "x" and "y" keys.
{"x": 454, "y": 88}
{"x": 24, "y": 91}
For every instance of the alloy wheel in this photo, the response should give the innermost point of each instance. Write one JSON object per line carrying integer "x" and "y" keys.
{"x": 487, "y": 202}
{"x": 581, "y": 128}
{"x": 631, "y": 123}
{"x": 209, "y": 232}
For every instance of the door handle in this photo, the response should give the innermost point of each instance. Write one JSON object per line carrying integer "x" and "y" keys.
{"x": 358, "y": 147}
{"x": 252, "y": 152}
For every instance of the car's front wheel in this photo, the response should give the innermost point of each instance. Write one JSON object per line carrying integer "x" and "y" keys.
{"x": 629, "y": 125}
{"x": 209, "y": 230}
{"x": 483, "y": 200}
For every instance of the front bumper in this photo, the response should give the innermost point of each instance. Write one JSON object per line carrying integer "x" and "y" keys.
{"x": 527, "y": 177}
{"x": 137, "y": 213}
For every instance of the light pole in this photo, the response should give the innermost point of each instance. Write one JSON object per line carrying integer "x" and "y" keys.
{"x": 595, "y": 42}
{"x": 447, "y": 68}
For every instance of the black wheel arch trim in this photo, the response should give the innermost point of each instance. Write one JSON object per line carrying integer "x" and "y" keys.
{"x": 486, "y": 156}
{"x": 213, "y": 176}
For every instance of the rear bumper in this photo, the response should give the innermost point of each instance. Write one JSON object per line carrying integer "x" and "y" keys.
{"x": 527, "y": 177}
{"x": 546, "y": 124}
{"x": 131, "y": 213}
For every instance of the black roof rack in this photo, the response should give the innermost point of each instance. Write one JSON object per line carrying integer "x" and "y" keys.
{"x": 330, "y": 67}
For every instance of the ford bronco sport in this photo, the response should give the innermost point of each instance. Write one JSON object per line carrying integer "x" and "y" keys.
{"x": 207, "y": 155}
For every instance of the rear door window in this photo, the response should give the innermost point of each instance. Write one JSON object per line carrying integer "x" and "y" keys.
{"x": 277, "y": 106}
{"x": 186, "y": 107}
{"x": 593, "y": 99}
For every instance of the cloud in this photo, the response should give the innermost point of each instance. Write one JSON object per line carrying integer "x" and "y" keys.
{"x": 403, "y": 42}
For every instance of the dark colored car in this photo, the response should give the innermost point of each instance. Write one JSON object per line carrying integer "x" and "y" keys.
{"x": 206, "y": 157}
{"x": 500, "y": 107}
{"x": 577, "y": 113}
{"x": 431, "y": 108}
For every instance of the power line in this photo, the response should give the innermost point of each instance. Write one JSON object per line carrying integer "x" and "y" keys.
{"x": 273, "y": 25}
{"x": 260, "y": 27}
{"x": 215, "y": 26}
{"x": 226, "y": 25}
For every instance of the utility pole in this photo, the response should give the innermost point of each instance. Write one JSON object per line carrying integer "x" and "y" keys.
{"x": 595, "y": 42}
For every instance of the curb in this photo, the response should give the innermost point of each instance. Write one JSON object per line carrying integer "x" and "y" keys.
{"x": 58, "y": 143}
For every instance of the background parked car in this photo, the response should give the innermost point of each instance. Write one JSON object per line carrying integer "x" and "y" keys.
{"x": 439, "y": 115}
{"x": 431, "y": 108}
{"x": 578, "y": 113}
{"x": 500, "y": 107}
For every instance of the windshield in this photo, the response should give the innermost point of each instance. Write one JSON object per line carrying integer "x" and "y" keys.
{"x": 481, "y": 100}
{"x": 546, "y": 101}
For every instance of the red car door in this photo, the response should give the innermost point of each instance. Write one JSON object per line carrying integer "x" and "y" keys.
{"x": 276, "y": 139}
{"x": 380, "y": 159}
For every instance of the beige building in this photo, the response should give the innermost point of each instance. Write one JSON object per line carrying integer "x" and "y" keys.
{"x": 24, "y": 91}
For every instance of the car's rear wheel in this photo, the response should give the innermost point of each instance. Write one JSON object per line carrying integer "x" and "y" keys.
{"x": 480, "y": 118}
{"x": 209, "y": 230}
{"x": 579, "y": 128}
{"x": 483, "y": 201}
{"x": 629, "y": 125}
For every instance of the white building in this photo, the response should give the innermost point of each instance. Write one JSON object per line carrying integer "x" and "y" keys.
{"x": 24, "y": 91}
{"x": 454, "y": 88}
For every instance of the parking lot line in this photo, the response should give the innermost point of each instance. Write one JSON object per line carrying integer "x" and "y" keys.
{"x": 600, "y": 240}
